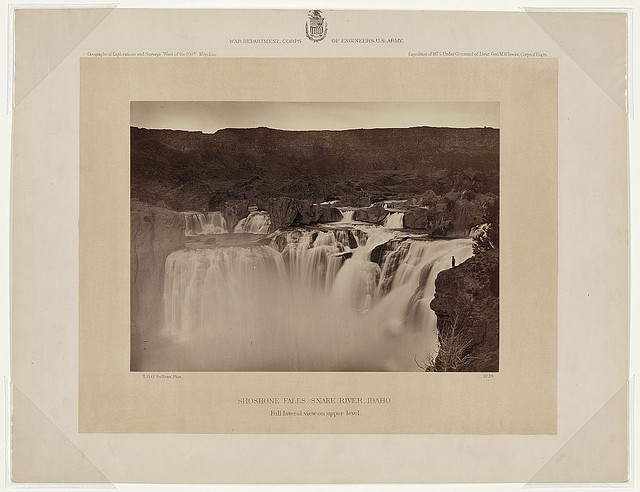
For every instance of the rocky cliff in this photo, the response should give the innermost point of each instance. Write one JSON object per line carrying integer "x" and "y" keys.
{"x": 466, "y": 303}
{"x": 155, "y": 232}
{"x": 450, "y": 215}
{"x": 234, "y": 211}
{"x": 193, "y": 170}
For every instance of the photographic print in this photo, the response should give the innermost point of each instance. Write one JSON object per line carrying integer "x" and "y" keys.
{"x": 314, "y": 236}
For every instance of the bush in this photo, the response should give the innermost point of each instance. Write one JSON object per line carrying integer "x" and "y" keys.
{"x": 454, "y": 352}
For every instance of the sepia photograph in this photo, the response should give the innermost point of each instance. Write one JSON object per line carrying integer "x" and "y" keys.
{"x": 314, "y": 236}
{"x": 278, "y": 251}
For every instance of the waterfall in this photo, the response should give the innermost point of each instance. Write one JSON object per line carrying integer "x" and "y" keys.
{"x": 356, "y": 282}
{"x": 256, "y": 223}
{"x": 394, "y": 220}
{"x": 342, "y": 238}
{"x": 313, "y": 259}
{"x": 205, "y": 289}
{"x": 412, "y": 278}
{"x": 347, "y": 215}
{"x": 216, "y": 224}
{"x": 194, "y": 223}
{"x": 479, "y": 231}
{"x": 311, "y": 300}
{"x": 197, "y": 223}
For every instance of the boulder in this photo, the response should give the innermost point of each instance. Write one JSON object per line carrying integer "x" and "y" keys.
{"x": 285, "y": 212}
{"x": 427, "y": 199}
{"x": 307, "y": 212}
{"x": 420, "y": 218}
{"x": 329, "y": 214}
{"x": 377, "y": 253}
{"x": 448, "y": 217}
{"x": 234, "y": 211}
{"x": 282, "y": 211}
{"x": 443, "y": 227}
{"x": 466, "y": 215}
{"x": 374, "y": 214}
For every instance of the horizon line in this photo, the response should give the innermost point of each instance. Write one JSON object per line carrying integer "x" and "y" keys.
{"x": 323, "y": 130}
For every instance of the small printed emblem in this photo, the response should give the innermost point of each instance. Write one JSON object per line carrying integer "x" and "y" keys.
{"x": 316, "y": 26}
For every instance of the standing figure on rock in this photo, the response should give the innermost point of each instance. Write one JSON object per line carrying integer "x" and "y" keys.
{"x": 453, "y": 262}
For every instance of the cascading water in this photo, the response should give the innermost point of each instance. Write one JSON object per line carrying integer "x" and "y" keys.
{"x": 194, "y": 223}
{"x": 216, "y": 223}
{"x": 394, "y": 220}
{"x": 479, "y": 231}
{"x": 347, "y": 216}
{"x": 197, "y": 223}
{"x": 311, "y": 300}
{"x": 256, "y": 223}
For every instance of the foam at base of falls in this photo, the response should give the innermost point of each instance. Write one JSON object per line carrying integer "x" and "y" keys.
{"x": 310, "y": 301}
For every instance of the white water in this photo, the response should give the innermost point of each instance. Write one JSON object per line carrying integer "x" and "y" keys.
{"x": 310, "y": 301}
{"x": 347, "y": 216}
{"x": 394, "y": 220}
{"x": 197, "y": 223}
{"x": 255, "y": 223}
{"x": 479, "y": 231}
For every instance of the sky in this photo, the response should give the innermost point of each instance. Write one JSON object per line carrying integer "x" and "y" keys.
{"x": 208, "y": 117}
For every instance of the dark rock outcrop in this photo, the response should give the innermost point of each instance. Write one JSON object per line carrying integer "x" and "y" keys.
{"x": 282, "y": 212}
{"x": 307, "y": 213}
{"x": 466, "y": 303}
{"x": 374, "y": 214}
{"x": 155, "y": 232}
{"x": 377, "y": 253}
{"x": 329, "y": 214}
{"x": 234, "y": 211}
{"x": 453, "y": 215}
{"x": 286, "y": 212}
{"x": 427, "y": 199}
{"x": 466, "y": 214}
{"x": 355, "y": 200}
{"x": 420, "y": 218}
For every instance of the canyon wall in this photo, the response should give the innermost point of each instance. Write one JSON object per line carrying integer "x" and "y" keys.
{"x": 155, "y": 232}
{"x": 186, "y": 170}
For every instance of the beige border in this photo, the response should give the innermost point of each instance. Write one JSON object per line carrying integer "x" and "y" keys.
{"x": 591, "y": 443}
{"x": 520, "y": 399}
